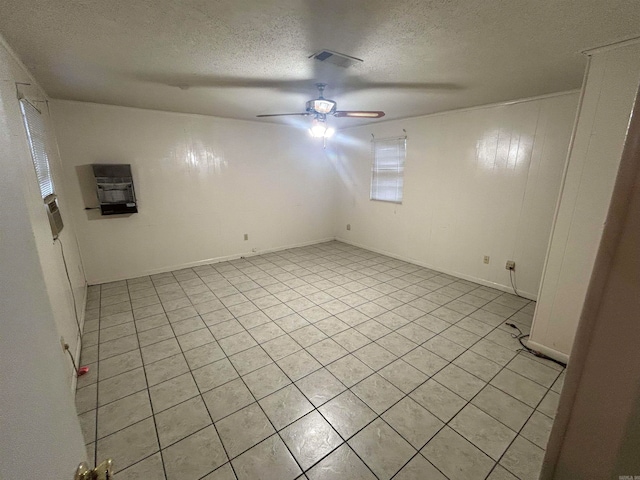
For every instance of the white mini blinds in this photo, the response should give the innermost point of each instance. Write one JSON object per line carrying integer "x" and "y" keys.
{"x": 36, "y": 134}
{"x": 387, "y": 173}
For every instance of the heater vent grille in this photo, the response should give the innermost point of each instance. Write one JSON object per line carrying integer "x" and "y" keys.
{"x": 335, "y": 58}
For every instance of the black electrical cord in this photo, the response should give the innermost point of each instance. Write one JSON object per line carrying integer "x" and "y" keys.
{"x": 66, "y": 347}
{"x": 533, "y": 352}
{"x": 513, "y": 325}
{"x": 513, "y": 283}
{"x": 520, "y": 336}
{"x": 75, "y": 310}
{"x": 66, "y": 269}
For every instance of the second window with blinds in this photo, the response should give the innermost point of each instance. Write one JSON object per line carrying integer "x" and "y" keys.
{"x": 387, "y": 173}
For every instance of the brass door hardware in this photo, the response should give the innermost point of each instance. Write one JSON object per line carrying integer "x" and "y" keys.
{"x": 104, "y": 471}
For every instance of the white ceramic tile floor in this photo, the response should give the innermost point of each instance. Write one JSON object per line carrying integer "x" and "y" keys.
{"x": 308, "y": 362}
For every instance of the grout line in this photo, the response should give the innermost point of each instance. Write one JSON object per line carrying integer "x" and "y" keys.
{"x": 95, "y": 441}
{"x": 204, "y": 403}
{"x": 325, "y": 365}
{"x": 153, "y": 415}
{"x": 518, "y": 433}
{"x": 350, "y": 327}
{"x": 469, "y": 402}
{"x": 277, "y": 432}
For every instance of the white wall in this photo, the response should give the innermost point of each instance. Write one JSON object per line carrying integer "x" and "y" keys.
{"x": 202, "y": 183}
{"x": 39, "y": 428}
{"x": 50, "y": 254}
{"x": 611, "y": 86}
{"x": 597, "y": 429}
{"x": 482, "y": 181}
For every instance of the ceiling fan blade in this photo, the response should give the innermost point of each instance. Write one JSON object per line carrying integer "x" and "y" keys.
{"x": 283, "y": 114}
{"x": 358, "y": 114}
{"x": 359, "y": 85}
{"x": 186, "y": 82}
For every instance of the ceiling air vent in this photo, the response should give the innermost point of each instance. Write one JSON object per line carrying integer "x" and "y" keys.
{"x": 335, "y": 58}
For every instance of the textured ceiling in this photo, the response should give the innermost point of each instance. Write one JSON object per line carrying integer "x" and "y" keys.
{"x": 239, "y": 58}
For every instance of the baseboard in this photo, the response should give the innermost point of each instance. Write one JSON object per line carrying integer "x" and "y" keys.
{"x": 235, "y": 256}
{"x": 226, "y": 258}
{"x": 549, "y": 352}
{"x": 480, "y": 281}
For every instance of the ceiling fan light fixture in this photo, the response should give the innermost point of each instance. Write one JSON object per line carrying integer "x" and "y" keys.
{"x": 319, "y": 129}
{"x": 321, "y": 105}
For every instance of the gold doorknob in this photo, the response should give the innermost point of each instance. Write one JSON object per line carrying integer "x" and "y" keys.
{"x": 104, "y": 471}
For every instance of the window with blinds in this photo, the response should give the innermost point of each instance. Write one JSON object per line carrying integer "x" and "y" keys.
{"x": 36, "y": 134}
{"x": 387, "y": 173}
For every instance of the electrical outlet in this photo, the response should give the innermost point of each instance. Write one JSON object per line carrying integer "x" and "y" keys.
{"x": 348, "y": 226}
{"x": 246, "y": 236}
{"x": 511, "y": 265}
{"x": 486, "y": 259}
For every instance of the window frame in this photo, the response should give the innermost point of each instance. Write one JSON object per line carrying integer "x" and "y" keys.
{"x": 397, "y": 167}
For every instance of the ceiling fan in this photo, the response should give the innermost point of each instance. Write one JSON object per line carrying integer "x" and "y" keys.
{"x": 320, "y": 107}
